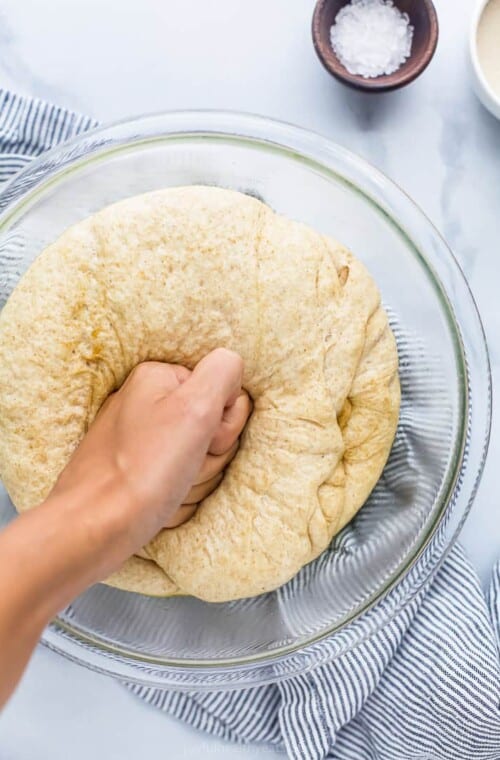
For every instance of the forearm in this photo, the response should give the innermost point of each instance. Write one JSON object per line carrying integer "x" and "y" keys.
{"x": 124, "y": 483}
{"x": 47, "y": 557}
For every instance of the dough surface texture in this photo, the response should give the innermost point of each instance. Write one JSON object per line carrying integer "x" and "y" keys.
{"x": 169, "y": 276}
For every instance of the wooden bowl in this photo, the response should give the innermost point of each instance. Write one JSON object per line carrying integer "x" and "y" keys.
{"x": 423, "y": 18}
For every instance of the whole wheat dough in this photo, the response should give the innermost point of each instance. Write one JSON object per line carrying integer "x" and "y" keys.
{"x": 168, "y": 276}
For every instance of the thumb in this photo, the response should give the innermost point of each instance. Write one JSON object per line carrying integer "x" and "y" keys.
{"x": 214, "y": 384}
{"x": 219, "y": 376}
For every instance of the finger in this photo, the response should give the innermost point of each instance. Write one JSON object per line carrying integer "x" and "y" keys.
{"x": 106, "y": 403}
{"x": 151, "y": 379}
{"x": 181, "y": 373}
{"x": 212, "y": 465}
{"x": 181, "y": 515}
{"x": 215, "y": 382}
{"x": 190, "y": 505}
{"x": 202, "y": 490}
{"x": 233, "y": 421}
{"x": 155, "y": 378}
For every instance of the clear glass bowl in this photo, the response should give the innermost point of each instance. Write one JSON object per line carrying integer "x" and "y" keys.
{"x": 419, "y": 505}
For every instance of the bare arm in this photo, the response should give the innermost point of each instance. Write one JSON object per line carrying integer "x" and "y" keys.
{"x": 155, "y": 449}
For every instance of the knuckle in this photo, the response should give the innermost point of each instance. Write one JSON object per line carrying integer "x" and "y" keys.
{"x": 198, "y": 410}
{"x": 154, "y": 374}
{"x": 141, "y": 372}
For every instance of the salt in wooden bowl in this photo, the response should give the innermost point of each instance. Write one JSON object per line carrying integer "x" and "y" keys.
{"x": 424, "y": 20}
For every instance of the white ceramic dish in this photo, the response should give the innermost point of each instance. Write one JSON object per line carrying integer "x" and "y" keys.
{"x": 482, "y": 88}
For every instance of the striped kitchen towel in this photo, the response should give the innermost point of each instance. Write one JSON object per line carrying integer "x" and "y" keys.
{"x": 425, "y": 687}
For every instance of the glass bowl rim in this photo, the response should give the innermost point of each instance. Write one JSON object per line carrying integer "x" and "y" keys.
{"x": 314, "y": 149}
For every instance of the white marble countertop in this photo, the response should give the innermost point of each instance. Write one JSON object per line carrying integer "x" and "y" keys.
{"x": 114, "y": 58}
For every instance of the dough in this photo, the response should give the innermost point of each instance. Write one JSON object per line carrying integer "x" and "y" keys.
{"x": 168, "y": 276}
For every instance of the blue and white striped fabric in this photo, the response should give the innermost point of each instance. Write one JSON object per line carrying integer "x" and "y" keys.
{"x": 28, "y": 127}
{"x": 427, "y": 687}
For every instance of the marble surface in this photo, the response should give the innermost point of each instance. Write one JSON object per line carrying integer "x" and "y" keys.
{"x": 114, "y": 58}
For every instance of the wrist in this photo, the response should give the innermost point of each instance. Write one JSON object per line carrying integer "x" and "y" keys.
{"x": 92, "y": 516}
{"x": 74, "y": 539}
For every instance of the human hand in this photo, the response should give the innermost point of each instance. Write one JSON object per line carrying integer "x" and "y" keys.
{"x": 221, "y": 451}
{"x": 163, "y": 440}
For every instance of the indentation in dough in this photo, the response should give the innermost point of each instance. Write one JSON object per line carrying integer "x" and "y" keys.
{"x": 343, "y": 274}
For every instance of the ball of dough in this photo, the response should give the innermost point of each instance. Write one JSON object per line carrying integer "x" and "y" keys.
{"x": 169, "y": 276}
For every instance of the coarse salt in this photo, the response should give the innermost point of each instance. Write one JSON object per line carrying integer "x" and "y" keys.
{"x": 371, "y": 37}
